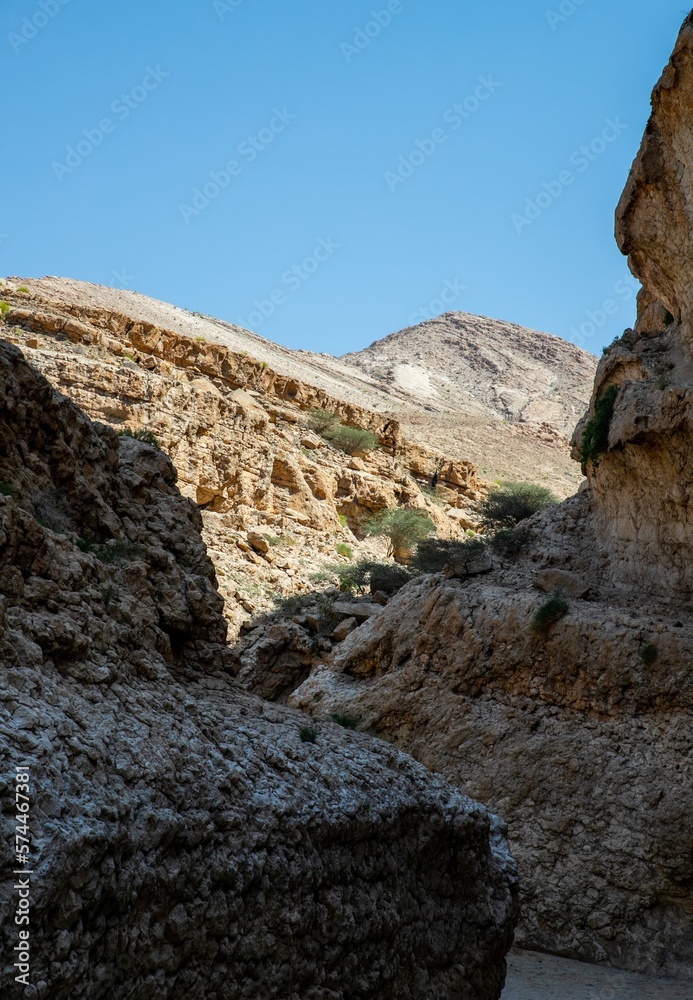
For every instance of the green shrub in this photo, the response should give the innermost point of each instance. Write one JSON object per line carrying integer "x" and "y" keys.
{"x": 357, "y": 577}
{"x": 510, "y": 542}
{"x": 5, "y": 308}
{"x": 308, "y": 734}
{"x": 320, "y": 420}
{"x": 8, "y": 490}
{"x": 595, "y": 436}
{"x": 549, "y": 613}
{"x": 648, "y": 654}
{"x": 343, "y": 520}
{"x": 345, "y": 550}
{"x": 23, "y": 289}
{"x": 348, "y": 721}
{"x": 403, "y": 527}
{"x": 141, "y": 435}
{"x": 432, "y": 554}
{"x": 662, "y": 383}
{"x": 351, "y": 440}
{"x": 507, "y": 505}
{"x": 348, "y": 439}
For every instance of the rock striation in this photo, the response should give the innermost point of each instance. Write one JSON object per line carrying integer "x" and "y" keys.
{"x": 188, "y": 839}
{"x": 239, "y": 434}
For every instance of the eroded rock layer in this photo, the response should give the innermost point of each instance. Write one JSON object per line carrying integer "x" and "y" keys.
{"x": 579, "y": 734}
{"x": 188, "y": 840}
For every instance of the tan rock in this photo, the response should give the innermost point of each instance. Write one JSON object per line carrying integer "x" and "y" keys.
{"x": 560, "y": 581}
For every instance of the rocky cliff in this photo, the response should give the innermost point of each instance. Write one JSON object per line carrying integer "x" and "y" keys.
{"x": 239, "y": 434}
{"x": 639, "y": 468}
{"x": 186, "y": 838}
{"x": 558, "y": 686}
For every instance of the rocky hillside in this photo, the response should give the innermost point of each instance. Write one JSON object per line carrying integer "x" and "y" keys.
{"x": 510, "y": 399}
{"x": 186, "y": 839}
{"x": 505, "y": 396}
{"x": 277, "y": 499}
{"x": 558, "y": 685}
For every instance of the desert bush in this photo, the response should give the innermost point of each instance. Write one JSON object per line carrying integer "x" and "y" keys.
{"x": 308, "y": 734}
{"x": 5, "y": 308}
{"x": 351, "y": 440}
{"x": 508, "y": 504}
{"x": 141, "y": 435}
{"x": 595, "y": 436}
{"x": 348, "y": 721}
{"x": 649, "y": 653}
{"x": 357, "y": 577}
{"x": 403, "y": 527}
{"x": 348, "y": 439}
{"x": 549, "y": 613}
{"x": 432, "y": 554}
{"x": 510, "y": 542}
{"x": 345, "y": 550}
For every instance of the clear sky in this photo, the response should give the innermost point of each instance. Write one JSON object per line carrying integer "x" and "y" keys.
{"x": 328, "y": 172}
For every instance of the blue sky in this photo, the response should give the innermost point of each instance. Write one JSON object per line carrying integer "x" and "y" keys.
{"x": 326, "y": 173}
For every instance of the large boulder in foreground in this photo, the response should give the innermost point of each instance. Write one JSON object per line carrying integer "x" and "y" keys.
{"x": 187, "y": 839}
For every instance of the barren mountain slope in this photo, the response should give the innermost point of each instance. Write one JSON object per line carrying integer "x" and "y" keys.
{"x": 504, "y": 396}
{"x": 509, "y": 398}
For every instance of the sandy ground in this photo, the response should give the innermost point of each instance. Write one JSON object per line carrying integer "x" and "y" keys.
{"x": 532, "y": 976}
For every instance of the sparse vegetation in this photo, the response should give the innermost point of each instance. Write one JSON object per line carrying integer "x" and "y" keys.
{"x": 549, "y": 613}
{"x": 510, "y": 542}
{"x": 23, "y": 289}
{"x": 403, "y": 527}
{"x": 8, "y": 490}
{"x": 348, "y": 439}
{"x": 358, "y": 577}
{"x": 595, "y": 437}
{"x": 4, "y": 308}
{"x": 343, "y": 520}
{"x": 308, "y": 734}
{"x": 510, "y": 503}
{"x": 141, "y": 435}
{"x": 201, "y": 340}
{"x": 662, "y": 383}
{"x": 433, "y": 554}
{"x": 348, "y": 721}
{"x": 345, "y": 550}
{"x": 648, "y": 654}
{"x": 117, "y": 554}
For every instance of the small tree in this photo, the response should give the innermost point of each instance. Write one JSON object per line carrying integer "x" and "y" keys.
{"x": 508, "y": 504}
{"x": 432, "y": 554}
{"x": 403, "y": 527}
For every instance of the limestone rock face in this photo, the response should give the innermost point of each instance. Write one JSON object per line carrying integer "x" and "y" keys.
{"x": 641, "y": 474}
{"x": 187, "y": 839}
{"x": 580, "y": 737}
{"x": 237, "y": 432}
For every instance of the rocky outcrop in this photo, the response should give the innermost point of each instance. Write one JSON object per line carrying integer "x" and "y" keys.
{"x": 639, "y": 466}
{"x": 558, "y": 687}
{"x": 188, "y": 840}
{"x": 579, "y": 735}
{"x": 239, "y": 435}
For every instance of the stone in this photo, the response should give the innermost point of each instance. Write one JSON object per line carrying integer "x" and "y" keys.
{"x": 258, "y": 542}
{"x": 560, "y": 581}
{"x": 342, "y": 630}
{"x": 186, "y": 840}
